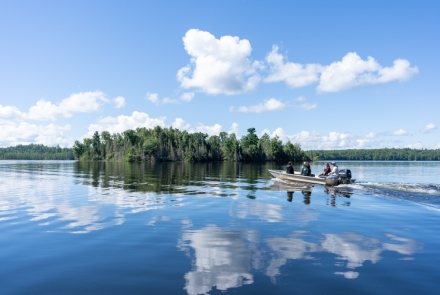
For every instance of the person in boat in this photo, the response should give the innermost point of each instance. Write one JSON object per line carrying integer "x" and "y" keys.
{"x": 327, "y": 170}
{"x": 306, "y": 171}
{"x": 335, "y": 169}
{"x": 289, "y": 168}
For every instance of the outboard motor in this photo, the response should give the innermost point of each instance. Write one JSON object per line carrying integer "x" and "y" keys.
{"x": 344, "y": 176}
{"x": 332, "y": 180}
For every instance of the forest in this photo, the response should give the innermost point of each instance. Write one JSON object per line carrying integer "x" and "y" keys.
{"x": 385, "y": 154}
{"x": 35, "y": 152}
{"x": 168, "y": 144}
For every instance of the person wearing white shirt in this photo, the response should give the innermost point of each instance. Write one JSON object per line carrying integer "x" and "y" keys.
{"x": 335, "y": 169}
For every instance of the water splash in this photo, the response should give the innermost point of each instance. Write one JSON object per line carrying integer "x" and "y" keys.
{"x": 423, "y": 193}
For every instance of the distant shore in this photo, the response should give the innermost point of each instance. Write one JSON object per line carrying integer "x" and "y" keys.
{"x": 41, "y": 152}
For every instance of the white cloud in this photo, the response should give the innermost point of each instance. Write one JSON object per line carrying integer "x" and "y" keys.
{"x": 12, "y": 133}
{"x": 119, "y": 102}
{"x": 180, "y": 124}
{"x": 300, "y": 98}
{"x": 429, "y": 128}
{"x": 417, "y": 145}
{"x": 265, "y": 130}
{"x": 234, "y": 129}
{"x": 370, "y": 135}
{"x": 268, "y": 105}
{"x": 224, "y": 66}
{"x": 210, "y": 130}
{"x": 293, "y": 74}
{"x": 10, "y": 113}
{"x": 218, "y": 66}
{"x": 438, "y": 146}
{"x": 122, "y": 123}
{"x": 352, "y": 71}
{"x": 154, "y": 98}
{"x": 316, "y": 140}
{"x": 83, "y": 102}
{"x": 362, "y": 142}
{"x": 187, "y": 96}
{"x": 306, "y": 106}
{"x": 313, "y": 140}
{"x": 400, "y": 132}
{"x": 169, "y": 100}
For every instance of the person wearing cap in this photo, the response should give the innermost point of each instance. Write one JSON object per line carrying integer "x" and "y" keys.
{"x": 289, "y": 168}
{"x": 335, "y": 169}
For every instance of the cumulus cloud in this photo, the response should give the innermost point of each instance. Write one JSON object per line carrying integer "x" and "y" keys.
{"x": 268, "y": 105}
{"x": 370, "y": 135}
{"x": 351, "y": 71}
{"x": 83, "y": 102}
{"x": 293, "y": 74}
{"x": 188, "y": 96}
{"x": 119, "y": 102}
{"x": 12, "y": 133}
{"x": 180, "y": 124}
{"x": 234, "y": 129}
{"x": 218, "y": 66}
{"x": 154, "y": 98}
{"x": 121, "y": 123}
{"x": 429, "y": 128}
{"x": 10, "y": 113}
{"x": 417, "y": 145}
{"x": 224, "y": 66}
{"x": 400, "y": 132}
{"x": 313, "y": 140}
{"x": 210, "y": 130}
{"x": 317, "y": 140}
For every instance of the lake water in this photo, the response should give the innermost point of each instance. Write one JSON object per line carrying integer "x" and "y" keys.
{"x": 178, "y": 228}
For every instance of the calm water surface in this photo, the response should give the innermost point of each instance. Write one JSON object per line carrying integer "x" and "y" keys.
{"x": 173, "y": 228}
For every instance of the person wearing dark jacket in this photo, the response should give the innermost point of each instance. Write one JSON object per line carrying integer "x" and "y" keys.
{"x": 306, "y": 171}
{"x": 327, "y": 170}
{"x": 289, "y": 168}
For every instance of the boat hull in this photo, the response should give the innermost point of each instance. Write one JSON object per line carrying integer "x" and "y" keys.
{"x": 296, "y": 177}
{"x": 302, "y": 179}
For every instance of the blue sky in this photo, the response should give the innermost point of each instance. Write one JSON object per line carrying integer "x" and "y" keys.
{"x": 348, "y": 74}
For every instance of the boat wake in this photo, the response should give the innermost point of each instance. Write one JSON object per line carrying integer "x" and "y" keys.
{"x": 422, "y": 193}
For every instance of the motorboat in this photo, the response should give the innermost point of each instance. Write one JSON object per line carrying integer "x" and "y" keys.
{"x": 343, "y": 177}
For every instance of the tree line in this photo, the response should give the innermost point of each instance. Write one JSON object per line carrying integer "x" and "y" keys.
{"x": 169, "y": 144}
{"x": 36, "y": 152}
{"x": 385, "y": 154}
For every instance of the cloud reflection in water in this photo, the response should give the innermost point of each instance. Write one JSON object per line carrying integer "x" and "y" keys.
{"x": 227, "y": 258}
{"x": 222, "y": 258}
